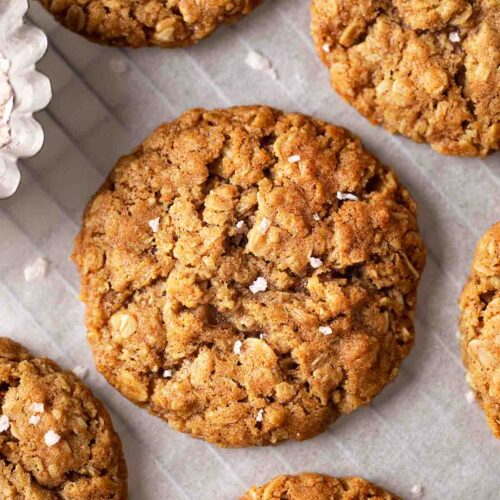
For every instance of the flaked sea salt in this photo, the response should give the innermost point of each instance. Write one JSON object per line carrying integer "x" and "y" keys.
{"x": 36, "y": 270}
{"x": 259, "y": 285}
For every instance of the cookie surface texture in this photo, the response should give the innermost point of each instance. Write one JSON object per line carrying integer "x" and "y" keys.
{"x": 480, "y": 326}
{"x": 249, "y": 275}
{"x": 57, "y": 439}
{"x": 426, "y": 69}
{"x": 139, "y": 23}
{"x": 318, "y": 487}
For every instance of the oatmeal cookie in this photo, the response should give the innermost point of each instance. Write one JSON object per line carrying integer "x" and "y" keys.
{"x": 249, "y": 275}
{"x": 426, "y": 69}
{"x": 139, "y": 23}
{"x": 480, "y": 326}
{"x": 317, "y": 487}
{"x": 56, "y": 438}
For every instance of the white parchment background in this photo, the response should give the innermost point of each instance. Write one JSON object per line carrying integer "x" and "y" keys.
{"x": 420, "y": 430}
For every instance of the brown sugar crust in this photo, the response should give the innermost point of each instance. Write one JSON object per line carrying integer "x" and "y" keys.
{"x": 138, "y": 23}
{"x": 480, "y": 326}
{"x": 428, "y": 70}
{"x": 318, "y": 487}
{"x": 86, "y": 464}
{"x": 234, "y": 207}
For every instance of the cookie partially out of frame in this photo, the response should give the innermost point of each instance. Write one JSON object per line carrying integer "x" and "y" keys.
{"x": 250, "y": 275}
{"x": 426, "y": 69}
{"x": 318, "y": 487}
{"x": 56, "y": 438}
{"x": 138, "y": 23}
{"x": 480, "y": 326}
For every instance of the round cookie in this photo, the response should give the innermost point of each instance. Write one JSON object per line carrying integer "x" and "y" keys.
{"x": 308, "y": 486}
{"x": 139, "y": 23}
{"x": 56, "y": 439}
{"x": 426, "y": 69}
{"x": 249, "y": 275}
{"x": 480, "y": 326}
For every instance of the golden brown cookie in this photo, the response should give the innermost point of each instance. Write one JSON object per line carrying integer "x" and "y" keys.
{"x": 56, "y": 438}
{"x": 480, "y": 326}
{"x": 426, "y": 69}
{"x": 138, "y": 23}
{"x": 308, "y": 486}
{"x": 249, "y": 275}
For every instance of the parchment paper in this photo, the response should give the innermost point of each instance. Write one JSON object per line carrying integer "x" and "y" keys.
{"x": 420, "y": 431}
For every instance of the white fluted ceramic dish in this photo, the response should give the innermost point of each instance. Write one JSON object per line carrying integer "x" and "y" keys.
{"x": 21, "y": 46}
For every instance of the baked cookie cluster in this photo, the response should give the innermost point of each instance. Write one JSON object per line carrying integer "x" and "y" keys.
{"x": 426, "y": 69}
{"x": 250, "y": 275}
{"x": 56, "y": 438}
{"x": 480, "y": 326}
{"x": 139, "y": 23}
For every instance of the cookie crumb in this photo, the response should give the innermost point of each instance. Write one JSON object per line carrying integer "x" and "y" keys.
{"x": 237, "y": 347}
{"x": 417, "y": 490}
{"x": 454, "y": 37}
{"x": 469, "y": 396}
{"x": 325, "y": 330}
{"x": 264, "y": 225}
{"x": 315, "y": 262}
{"x": 80, "y": 371}
{"x": 326, "y": 48}
{"x": 316, "y": 217}
{"x": 154, "y": 224}
{"x": 37, "y": 407}
{"x": 4, "y": 423}
{"x": 259, "y": 285}
{"x": 118, "y": 66}
{"x": 294, "y": 158}
{"x": 34, "y": 419}
{"x": 36, "y": 270}
{"x": 260, "y": 415}
{"x": 51, "y": 438}
{"x": 167, "y": 373}
{"x": 346, "y": 196}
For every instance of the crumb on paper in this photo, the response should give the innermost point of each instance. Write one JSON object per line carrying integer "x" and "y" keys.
{"x": 294, "y": 159}
{"x": 154, "y": 224}
{"x": 118, "y": 66}
{"x": 259, "y": 285}
{"x": 258, "y": 62}
{"x": 264, "y": 225}
{"x": 36, "y": 270}
{"x": 237, "y": 347}
{"x": 417, "y": 490}
{"x": 346, "y": 196}
{"x": 37, "y": 407}
{"x": 454, "y": 37}
{"x": 315, "y": 262}
{"x": 4, "y": 423}
{"x": 34, "y": 419}
{"x": 325, "y": 330}
{"x": 457, "y": 334}
{"x": 260, "y": 415}
{"x": 167, "y": 373}
{"x": 51, "y": 438}
{"x": 469, "y": 397}
{"x": 80, "y": 371}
